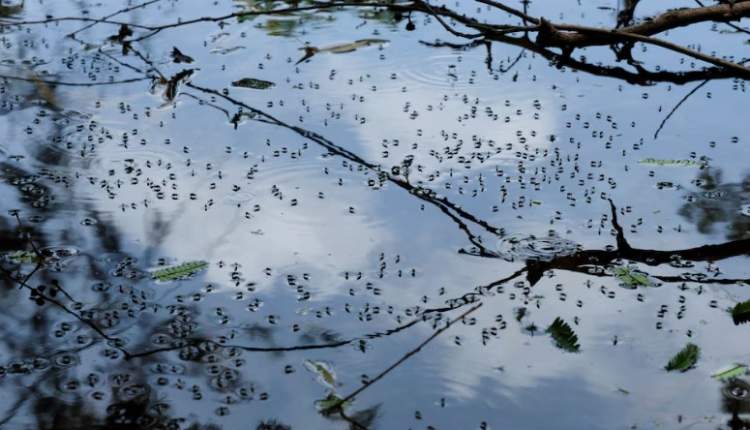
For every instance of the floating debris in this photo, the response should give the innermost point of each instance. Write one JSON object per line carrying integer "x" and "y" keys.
{"x": 532, "y": 248}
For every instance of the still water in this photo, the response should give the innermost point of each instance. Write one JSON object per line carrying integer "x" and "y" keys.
{"x": 226, "y": 235}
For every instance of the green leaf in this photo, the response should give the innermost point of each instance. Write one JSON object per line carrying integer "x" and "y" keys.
{"x": 564, "y": 336}
{"x": 730, "y": 372}
{"x": 741, "y": 312}
{"x": 685, "y": 359}
{"x": 182, "y": 271}
{"x": 22, "y": 257}
{"x": 252, "y": 83}
{"x": 331, "y": 403}
{"x": 631, "y": 278}
{"x": 324, "y": 372}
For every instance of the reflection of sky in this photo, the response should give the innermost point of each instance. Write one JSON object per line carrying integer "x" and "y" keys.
{"x": 540, "y": 386}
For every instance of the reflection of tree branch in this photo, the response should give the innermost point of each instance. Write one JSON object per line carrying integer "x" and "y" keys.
{"x": 592, "y": 270}
{"x": 73, "y": 84}
{"x": 558, "y": 35}
{"x": 424, "y": 194}
{"x": 112, "y": 15}
{"x": 24, "y": 284}
{"x": 652, "y": 257}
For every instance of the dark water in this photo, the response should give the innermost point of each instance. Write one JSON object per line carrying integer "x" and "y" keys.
{"x": 315, "y": 233}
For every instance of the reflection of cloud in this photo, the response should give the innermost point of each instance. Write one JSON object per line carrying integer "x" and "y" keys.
{"x": 300, "y": 228}
{"x": 452, "y": 127}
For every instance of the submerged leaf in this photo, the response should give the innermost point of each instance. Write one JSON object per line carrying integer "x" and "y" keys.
{"x": 631, "y": 278}
{"x": 685, "y": 359}
{"x": 730, "y": 372}
{"x": 741, "y": 312}
{"x": 182, "y": 271}
{"x": 252, "y": 83}
{"x": 564, "y": 336}
{"x": 324, "y": 372}
{"x": 352, "y": 46}
{"x": 340, "y": 48}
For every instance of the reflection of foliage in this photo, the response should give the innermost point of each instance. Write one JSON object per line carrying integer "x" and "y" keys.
{"x": 718, "y": 202}
{"x": 284, "y": 27}
{"x": 685, "y": 359}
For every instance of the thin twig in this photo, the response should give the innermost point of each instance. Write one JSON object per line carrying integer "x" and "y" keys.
{"x": 677, "y": 106}
{"x": 400, "y": 361}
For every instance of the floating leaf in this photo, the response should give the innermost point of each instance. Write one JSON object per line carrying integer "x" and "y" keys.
{"x": 730, "y": 372}
{"x": 685, "y": 359}
{"x": 323, "y": 371}
{"x": 564, "y": 336}
{"x": 22, "y": 257}
{"x": 741, "y": 312}
{"x": 252, "y": 83}
{"x": 331, "y": 403}
{"x": 182, "y": 271}
{"x": 631, "y": 278}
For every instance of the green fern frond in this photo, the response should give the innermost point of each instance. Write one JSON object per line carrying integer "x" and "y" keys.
{"x": 685, "y": 359}
{"x": 564, "y": 336}
{"x": 741, "y": 312}
{"x": 182, "y": 271}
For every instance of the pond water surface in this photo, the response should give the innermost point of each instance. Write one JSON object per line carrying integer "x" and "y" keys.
{"x": 318, "y": 220}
